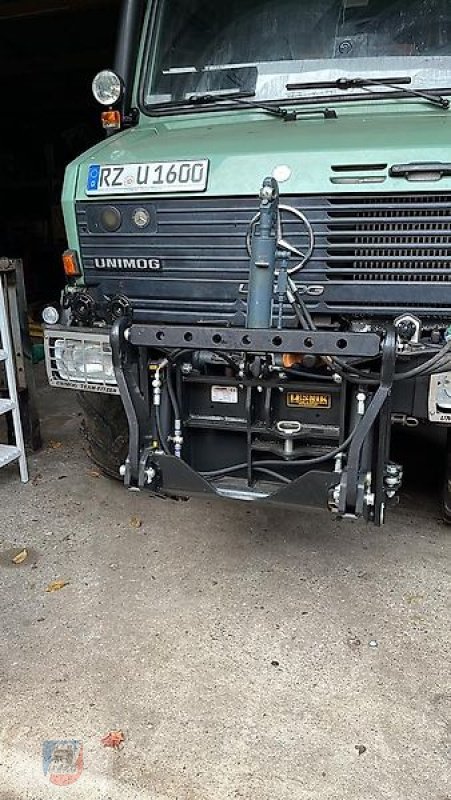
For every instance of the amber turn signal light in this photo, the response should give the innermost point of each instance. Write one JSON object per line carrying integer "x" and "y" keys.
{"x": 111, "y": 120}
{"x": 70, "y": 263}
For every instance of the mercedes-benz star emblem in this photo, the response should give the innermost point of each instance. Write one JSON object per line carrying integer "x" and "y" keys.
{"x": 282, "y": 243}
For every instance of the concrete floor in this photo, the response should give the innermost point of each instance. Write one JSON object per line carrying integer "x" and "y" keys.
{"x": 229, "y": 643}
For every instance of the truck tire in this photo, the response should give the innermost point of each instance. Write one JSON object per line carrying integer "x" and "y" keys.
{"x": 105, "y": 429}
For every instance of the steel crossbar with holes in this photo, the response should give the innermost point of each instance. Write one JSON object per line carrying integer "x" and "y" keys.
{"x": 267, "y": 341}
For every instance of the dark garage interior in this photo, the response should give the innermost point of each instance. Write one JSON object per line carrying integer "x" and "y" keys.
{"x": 50, "y": 52}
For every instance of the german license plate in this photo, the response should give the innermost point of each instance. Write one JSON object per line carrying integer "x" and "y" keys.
{"x": 308, "y": 400}
{"x": 154, "y": 176}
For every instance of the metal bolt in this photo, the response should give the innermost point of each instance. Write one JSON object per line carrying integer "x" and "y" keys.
{"x": 361, "y": 397}
{"x": 392, "y": 469}
{"x": 336, "y": 494}
{"x": 392, "y": 482}
{"x": 267, "y": 193}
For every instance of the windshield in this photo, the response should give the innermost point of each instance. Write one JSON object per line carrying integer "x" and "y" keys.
{"x": 260, "y": 46}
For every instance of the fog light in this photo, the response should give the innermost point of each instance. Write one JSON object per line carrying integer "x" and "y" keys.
{"x": 50, "y": 315}
{"x": 79, "y": 359}
{"x": 84, "y": 362}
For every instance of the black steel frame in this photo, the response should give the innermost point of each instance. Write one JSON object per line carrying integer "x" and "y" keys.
{"x": 314, "y": 487}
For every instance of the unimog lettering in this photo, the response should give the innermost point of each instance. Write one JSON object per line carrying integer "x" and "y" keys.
{"x": 128, "y": 263}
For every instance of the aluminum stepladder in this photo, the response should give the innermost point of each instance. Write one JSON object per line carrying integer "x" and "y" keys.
{"x": 10, "y": 403}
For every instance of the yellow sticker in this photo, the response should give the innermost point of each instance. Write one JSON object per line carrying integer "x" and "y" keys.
{"x": 308, "y": 400}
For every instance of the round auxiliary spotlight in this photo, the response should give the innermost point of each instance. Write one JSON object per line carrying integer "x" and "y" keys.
{"x": 107, "y": 88}
{"x": 50, "y": 315}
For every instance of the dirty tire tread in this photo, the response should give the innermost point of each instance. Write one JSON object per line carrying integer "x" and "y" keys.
{"x": 105, "y": 430}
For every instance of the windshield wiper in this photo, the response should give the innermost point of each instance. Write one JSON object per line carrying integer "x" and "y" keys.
{"x": 219, "y": 97}
{"x": 238, "y": 97}
{"x": 345, "y": 83}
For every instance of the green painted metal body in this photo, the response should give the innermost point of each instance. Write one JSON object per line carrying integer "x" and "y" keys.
{"x": 245, "y": 146}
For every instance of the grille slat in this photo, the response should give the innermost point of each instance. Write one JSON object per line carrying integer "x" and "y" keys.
{"x": 402, "y": 239}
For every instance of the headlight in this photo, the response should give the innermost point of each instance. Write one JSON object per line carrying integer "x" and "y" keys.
{"x": 77, "y": 361}
{"x": 80, "y": 360}
{"x": 107, "y": 88}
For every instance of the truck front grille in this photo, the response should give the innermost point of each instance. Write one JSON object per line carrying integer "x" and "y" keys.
{"x": 398, "y": 238}
{"x": 374, "y": 255}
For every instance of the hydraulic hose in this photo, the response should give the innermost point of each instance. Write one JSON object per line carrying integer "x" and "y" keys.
{"x": 434, "y": 364}
{"x": 272, "y": 474}
{"x": 298, "y": 301}
{"x": 306, "y": 462}
{"x": 299, "y": 373}
{"x": 173, "y": 357}
{"x": 298, "y": 312}
{"x": 354, "y": 375}
{"x": 228, "y": 360}
{"x": 172, "y": 394}
{"x": 161, "y": 436}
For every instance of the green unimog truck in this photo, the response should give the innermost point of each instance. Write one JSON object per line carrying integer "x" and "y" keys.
{"x": 259, "y": 250}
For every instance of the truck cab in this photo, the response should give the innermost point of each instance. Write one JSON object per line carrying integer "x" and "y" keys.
{"x": 258, "y": 264}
